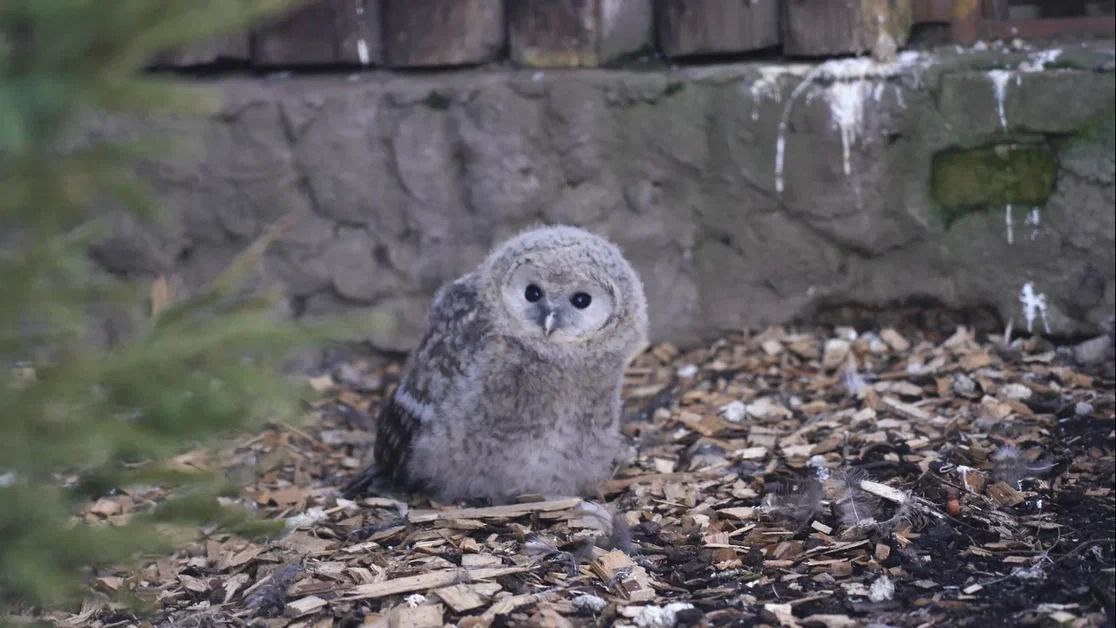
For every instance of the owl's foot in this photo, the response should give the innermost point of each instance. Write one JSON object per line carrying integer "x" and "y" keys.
{"x": 367, "y": 481}
{"x": 480, "y": 502}
{"x": 614, "y": 530}
{"x": 365, "y": 531}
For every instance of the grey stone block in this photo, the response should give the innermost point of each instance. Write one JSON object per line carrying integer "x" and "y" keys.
{"x": 407, "y": 181}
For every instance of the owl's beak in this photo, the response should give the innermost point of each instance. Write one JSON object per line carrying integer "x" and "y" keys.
{"x": 550, "y": 322}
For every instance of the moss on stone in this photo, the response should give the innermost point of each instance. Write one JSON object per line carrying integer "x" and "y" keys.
{"x": 963, "y": 181}
{"x": 437, "y": 100}
{"x": 674, "y": 87}
{"x": 1100, "y": 130}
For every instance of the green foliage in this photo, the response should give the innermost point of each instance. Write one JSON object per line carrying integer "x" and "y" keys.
{"x": 1099, "y": 131}
{"x": 963, "y": 181}
{"x": 71, "y": 409}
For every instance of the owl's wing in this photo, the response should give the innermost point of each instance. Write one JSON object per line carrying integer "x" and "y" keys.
{"x": 456, "y": 326}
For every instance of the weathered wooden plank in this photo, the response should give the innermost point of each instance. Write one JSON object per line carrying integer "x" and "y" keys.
{"x": 425, "y": 581}
{"x": 932, "y": 11}
{"x": 425, "y": 33}
{"x": 966, "y": 21}
{"x": 814, "y": 28}
{"x": 359, "y": 31}
{"x": 553, "y": 33}
{"x": 322, "y": 32}
{"x": 303, "y": 37}
{"x": 1064, "y": 9}
{"x": 831, "y": 27}
{"x": 691, "y": 27}
{"x": 1009, "y": 29}
{"x": 627, "y": 26}
{"x": 996, "y": 9}
{"x": 572, "y": 33}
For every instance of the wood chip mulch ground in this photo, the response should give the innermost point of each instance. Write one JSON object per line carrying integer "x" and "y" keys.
{"x": 788, "y": 479}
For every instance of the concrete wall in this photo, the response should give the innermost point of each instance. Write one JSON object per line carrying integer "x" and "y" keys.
{"x": 745, "y": 194}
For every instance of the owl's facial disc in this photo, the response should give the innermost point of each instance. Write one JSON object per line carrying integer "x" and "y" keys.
{"x": 556, "y": 306}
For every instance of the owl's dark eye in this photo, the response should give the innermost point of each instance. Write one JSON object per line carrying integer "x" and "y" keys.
{"x": 533, "y": 293}
{"x": 580, "y": 300}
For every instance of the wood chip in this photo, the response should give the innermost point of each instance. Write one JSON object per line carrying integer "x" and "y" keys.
{"x": 607, "y": 566}
{"x": 509, "y": 511}
{"x": 466, "y": 597}
{"x": 424, "y": 616}
{"x": 905, "y": 409}
{"x": 481, "y": 560}
{"x": 304, "y": 606}
{"x": 305, "y": 543}
{"x": 744, "y": 513}
{"x": 714, "y": 509}
{"x": 895, "y": 340}
{"x": 505, "y": 606}
{"x": 426, "y": 581}
{"x": 1004, "y": 494}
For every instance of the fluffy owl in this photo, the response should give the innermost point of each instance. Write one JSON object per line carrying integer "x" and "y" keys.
{"x": 515, "y": 385}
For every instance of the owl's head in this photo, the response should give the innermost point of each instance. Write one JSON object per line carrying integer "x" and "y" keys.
{"x": 563, "y": 286}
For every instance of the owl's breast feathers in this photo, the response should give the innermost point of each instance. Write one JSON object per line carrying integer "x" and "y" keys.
{"x": 456, "y": 326}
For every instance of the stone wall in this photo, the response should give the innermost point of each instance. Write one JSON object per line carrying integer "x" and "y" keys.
{"x": 745, "y": 194}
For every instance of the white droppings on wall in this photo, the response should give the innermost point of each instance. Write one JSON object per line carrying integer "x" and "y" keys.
{"x": 1034, "y": 303}
{"x": 1009, "y": 223}
{"x": 780, "y": 153}
{"x": 767, "y": 86}
{"x": 854, "y": 81}
{"x": 851, "y": 82}
{"x": 1037, "y": 61}
{"x": 781, "y": 139}
{"x": 913, "y": 63}
{"x": 846, "y": 102}
{"x": 999, "y": 80}
{"x": 1033, "y": 220}
{"x": 362, "y": 44}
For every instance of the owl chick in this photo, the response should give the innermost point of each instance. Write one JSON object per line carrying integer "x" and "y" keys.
{"x": 515, "y": 385}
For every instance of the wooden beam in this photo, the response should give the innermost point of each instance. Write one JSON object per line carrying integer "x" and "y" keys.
{"x": 831, "y": 27}
{"x": 996, "y": 9}
{"x": 965, "y": 25}
{"x": 321, "y": 33}
{"x": 571, "y": 33}
{"x": 553, "y": 33}
{"x": 1099, "y": 26}
{"x": 430, "y": 33}
{"x": 932, "y": 11}
{"x": 691, "y": 27}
